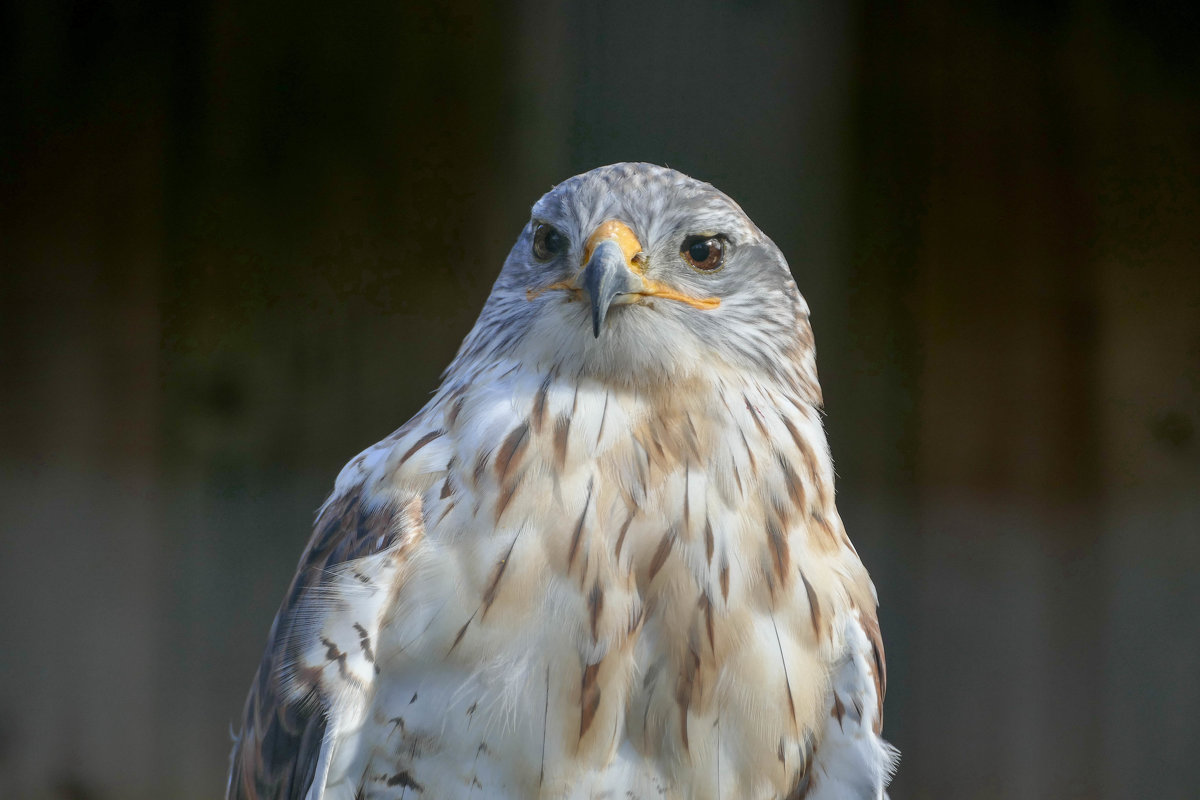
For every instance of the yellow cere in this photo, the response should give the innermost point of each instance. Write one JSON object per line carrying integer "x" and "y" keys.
{"x": 623, "y": 235}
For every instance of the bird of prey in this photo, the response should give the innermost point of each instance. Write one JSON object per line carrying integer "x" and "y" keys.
{"x": 604, "y": 560}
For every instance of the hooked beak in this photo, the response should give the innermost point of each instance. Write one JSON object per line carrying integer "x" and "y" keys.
{"x": 606, "y": 278}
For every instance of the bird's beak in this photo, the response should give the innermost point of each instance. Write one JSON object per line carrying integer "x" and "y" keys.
{"x": 613, "y": 271}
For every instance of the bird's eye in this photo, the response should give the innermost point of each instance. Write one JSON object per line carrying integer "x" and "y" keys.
{"x": 705, "y": 253}
{"x": 548, "y": 242}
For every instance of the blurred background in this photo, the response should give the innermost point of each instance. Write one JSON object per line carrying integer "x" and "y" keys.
{"x": 238, "y": 243}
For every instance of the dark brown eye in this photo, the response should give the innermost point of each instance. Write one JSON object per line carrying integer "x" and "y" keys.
{"x": 548, "y": 242}
{"x": 705, "y": 253}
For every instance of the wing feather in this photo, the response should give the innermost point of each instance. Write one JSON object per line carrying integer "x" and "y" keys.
{"x": 852, "y": 759}
{"x": 870, "y": 626}
{"x": 287, "y": 712}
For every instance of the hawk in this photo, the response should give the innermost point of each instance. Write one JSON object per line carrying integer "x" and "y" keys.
{"x": 604, "y": 560}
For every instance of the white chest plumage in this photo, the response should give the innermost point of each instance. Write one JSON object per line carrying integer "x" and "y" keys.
{"x": 630, "y": 595}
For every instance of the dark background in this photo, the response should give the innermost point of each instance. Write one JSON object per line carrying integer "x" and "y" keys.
{"x": 239, "y": 241}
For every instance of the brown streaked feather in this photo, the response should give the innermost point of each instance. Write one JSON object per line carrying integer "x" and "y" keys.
{"x": 562, "y": 428}
{"x": 801, "y": 445}
{"x": 870, "y": 626}
{"x": 660, "y": 555}
{"x": 579, "y": 528}
{"x": 757, "y": 419}
{"x": 455, "y": 410}
{"x": 480, "y": 467}
{"x": 335, "y": 654}
{"x": 509, "y": 455}
{"x": 589, "y": 697}
{"x": 621, "y": 535}
{"x": 603, "y": 418}
{"x": 795, "y": 487}
{"x": 595, "y": 607}
{"x": 783, "y": 511}
{"x": 828, "y": 539}
{"x": 814, "y": 605}
{"x": 461, "y": 633}
{"x": 814, "y": 474}
{"x": 424, "y": 440}
{"x": 275, "y": 756}
{"x": 506, "y": 495}
{"x": 780, "y": 553}
{"x": 493, "y": 587}
{"x": 706, "y": 606}
{"x": 446, "y": 509}
{"x": 364, "y": 642}
{"x": 685, "y": 691}
{"x": 538, "y": 415}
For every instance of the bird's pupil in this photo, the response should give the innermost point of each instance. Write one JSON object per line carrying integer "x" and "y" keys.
{"x": 554, "y": 241}
{"x": 699, "y": 252}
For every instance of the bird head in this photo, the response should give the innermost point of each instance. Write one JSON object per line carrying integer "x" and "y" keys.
{"x": 638, "y": 273}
